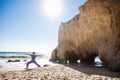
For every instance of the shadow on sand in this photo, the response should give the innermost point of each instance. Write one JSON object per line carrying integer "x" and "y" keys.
{"x": 93, "y": 70}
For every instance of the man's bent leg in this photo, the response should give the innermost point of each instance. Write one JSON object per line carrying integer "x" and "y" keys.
{"x": 36, "y": 63}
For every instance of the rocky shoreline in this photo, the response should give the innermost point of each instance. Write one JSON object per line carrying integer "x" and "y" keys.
{"x": 61, "y": 72}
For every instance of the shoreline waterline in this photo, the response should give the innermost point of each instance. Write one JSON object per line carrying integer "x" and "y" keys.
{"x": 18, "y": 60}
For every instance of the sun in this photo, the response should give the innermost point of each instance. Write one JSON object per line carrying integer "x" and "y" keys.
{"x": 52, "y": 8}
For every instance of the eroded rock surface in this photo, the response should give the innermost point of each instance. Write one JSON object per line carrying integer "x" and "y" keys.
{"x": 94, "y": 31}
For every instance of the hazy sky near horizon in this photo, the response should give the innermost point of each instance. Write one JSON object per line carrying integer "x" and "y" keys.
{"x": 26, "y": 25}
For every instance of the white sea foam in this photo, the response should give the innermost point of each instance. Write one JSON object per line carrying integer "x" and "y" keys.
{"x": 22, "y": 64}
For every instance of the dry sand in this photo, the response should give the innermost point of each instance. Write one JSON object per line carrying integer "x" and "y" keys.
{"x": 61, "y": 72}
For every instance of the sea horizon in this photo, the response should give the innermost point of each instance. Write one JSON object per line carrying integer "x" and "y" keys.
{"x": 18, "y": 54}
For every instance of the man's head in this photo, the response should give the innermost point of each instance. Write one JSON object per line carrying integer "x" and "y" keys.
{"x": 33, "y": 52}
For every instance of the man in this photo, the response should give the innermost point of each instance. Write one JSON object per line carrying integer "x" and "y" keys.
{"x": 33, "y": 57}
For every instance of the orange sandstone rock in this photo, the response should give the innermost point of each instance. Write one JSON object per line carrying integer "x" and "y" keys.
{"x": 94, "y": 31}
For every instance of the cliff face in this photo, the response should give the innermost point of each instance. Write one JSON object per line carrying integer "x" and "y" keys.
{"x": 94, "y": 31}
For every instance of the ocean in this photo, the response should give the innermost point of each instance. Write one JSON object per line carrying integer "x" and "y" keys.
{"x": 22, "y": 59}
{"x": 13, "y": 54}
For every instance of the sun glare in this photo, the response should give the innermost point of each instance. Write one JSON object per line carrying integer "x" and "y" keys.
{"x": 52, "y": 8}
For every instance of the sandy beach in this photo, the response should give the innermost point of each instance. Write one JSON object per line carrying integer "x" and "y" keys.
{"x": 61, "y": 72}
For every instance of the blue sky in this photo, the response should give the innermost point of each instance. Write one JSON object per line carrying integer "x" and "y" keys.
{"x": 24, "y": 26}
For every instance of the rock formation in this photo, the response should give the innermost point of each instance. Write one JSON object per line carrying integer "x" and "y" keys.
{"x": 94, "y": 31}
{"x": 13, "y": 60}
